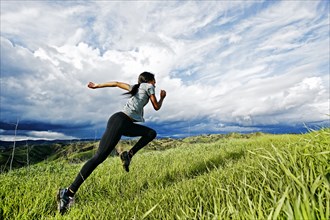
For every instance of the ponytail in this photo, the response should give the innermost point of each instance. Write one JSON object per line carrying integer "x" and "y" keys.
{"x": 134, "y": 90}
{"x": 144, "y": 77}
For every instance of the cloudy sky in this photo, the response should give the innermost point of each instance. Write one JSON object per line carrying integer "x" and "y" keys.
{"x": 227, "y": 66}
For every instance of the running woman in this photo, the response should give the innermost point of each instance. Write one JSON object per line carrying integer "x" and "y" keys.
{"x": 120, "y": 123}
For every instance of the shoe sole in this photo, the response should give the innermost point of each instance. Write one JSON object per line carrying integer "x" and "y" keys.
{"x": 58, "y": 198}
{"x": 124, "y": 161}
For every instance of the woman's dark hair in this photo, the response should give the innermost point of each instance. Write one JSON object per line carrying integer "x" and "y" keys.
{"x": 144, "y": 77}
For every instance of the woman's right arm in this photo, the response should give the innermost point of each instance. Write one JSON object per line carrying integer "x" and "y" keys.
{"x": 121, "y": 85}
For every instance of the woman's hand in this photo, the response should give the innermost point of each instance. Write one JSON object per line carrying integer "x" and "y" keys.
{"x": 162, "y": 94}
{"x": 92, "y": 85}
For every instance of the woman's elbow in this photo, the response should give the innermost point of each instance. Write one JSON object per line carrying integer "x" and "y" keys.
{"x": 156, "y": 107}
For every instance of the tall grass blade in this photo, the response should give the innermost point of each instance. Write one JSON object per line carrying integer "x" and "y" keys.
{"x": 149, "y": 211}
{"x": 280, "y": 203}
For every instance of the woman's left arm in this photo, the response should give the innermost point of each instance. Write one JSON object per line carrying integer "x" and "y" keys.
{"x": 158, "y": 104}
{"x": 121, "y": 85}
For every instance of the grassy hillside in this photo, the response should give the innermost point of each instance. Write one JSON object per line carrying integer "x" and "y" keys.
{"x": 234, "y": 177}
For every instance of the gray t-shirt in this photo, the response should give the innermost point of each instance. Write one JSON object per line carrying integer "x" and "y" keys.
{"x": 134, "y": 106}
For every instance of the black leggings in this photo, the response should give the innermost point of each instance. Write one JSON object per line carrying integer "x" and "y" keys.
{"x": 119, "y": 124}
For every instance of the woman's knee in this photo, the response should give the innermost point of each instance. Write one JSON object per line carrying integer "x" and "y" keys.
{"x": 152, "y": 134}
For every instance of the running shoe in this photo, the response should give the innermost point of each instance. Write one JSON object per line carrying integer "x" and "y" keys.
{"x": 126, "y": 160}
{"x": 64, "y": 201}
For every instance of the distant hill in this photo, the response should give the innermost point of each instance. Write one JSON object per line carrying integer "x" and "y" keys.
{"x": 30, "y": 152}
{"x": 10, "y": 144}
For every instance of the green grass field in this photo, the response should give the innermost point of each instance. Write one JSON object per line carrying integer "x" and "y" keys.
{"x": 259, "y": 176}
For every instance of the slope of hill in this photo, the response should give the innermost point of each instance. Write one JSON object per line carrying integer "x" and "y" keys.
{"x": 259, "y": 177}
